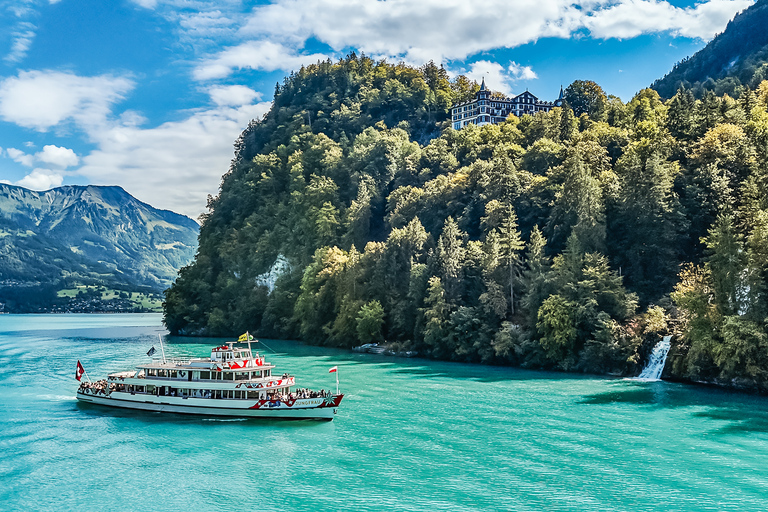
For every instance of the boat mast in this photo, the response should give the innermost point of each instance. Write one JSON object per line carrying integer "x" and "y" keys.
{"x": 162, "y": 349}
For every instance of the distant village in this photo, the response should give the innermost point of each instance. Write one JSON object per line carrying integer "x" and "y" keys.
{"x": 488, "y": 108}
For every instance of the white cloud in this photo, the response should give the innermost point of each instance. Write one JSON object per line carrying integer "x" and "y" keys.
{"x": 233, "y": 95}
{"x": 21, "y": 39}
{"x": 455, "y": 29}
{"x": 21, "y": 157}
{"x": 148, "y": 4}
{"x": 262, "y": 55}
{"x": 57, "y": 156}
{"x": 520, "y": 72}
{"x": 175, "y": 165}
{"x": 207, "y": 24}
{"x": 415, "y": 31}
{"x": 498, "y": 78}
{"x": 493, "y": 73}
{"x": 631, "y": 18}
{"x": 43, "y": 99}
{"x": 41, "y": 179}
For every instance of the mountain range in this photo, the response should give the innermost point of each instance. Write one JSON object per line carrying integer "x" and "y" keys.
{"x": 89, "y": 235}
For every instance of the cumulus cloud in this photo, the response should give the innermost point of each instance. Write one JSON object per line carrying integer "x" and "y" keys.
{"x": 41, "y": 179}
{"x": 261, "y": 55}
{"x": 174, "y": 165}
{"x": 43, "y": 99}
{"x": 631, "y": 18}
{"x": 57, "y": 156}
{"x": 493, "y": 73}
{"x": 520, "y": 72}
{"x": 455, "y": 29}
{"x": 497, "y": 76}
{"x": 21, "y": 157}
{"x": 233, "y": 95}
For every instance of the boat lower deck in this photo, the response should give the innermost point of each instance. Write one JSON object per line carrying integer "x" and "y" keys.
{"x": 311, "y": 408}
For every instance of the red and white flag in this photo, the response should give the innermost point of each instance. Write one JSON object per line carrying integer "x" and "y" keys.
{"x": 79, "y": 371}
{"x": 333, "y": 370}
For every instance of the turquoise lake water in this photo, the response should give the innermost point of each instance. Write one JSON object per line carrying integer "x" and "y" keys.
{"x": 410, "y": 435}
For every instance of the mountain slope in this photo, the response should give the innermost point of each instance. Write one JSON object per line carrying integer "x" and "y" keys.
{"x": 738, "y": 56}
{"x": 90, "y": 232}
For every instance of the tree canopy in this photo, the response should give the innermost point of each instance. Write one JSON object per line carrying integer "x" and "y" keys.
{"x": 568, "y": 240}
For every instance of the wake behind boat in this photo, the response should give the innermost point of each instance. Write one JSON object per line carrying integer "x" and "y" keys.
{"x": 232, "y": 382}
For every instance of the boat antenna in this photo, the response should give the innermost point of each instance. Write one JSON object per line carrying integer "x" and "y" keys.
{"x": 265, "y": 346}
{"x": 162, "y": 349}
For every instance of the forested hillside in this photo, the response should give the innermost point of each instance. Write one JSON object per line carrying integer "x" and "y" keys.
{"x": 560, "y": 240}
{"x": 737, "y": 57}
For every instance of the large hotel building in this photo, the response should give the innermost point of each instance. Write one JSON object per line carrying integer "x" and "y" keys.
{"x": 485, "y": 109}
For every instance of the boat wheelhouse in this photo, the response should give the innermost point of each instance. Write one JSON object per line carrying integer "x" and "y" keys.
{"x": 231, "y": 382}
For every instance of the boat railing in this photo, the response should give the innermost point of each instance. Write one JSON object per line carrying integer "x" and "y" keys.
{"x": 177, "y": 361}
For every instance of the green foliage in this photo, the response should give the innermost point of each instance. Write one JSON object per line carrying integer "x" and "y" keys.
{"x": 369, "y": 323}
{"x": 530, "y": 242}
{"x": 557, "y": 328}
{"x": 586, "y": 97}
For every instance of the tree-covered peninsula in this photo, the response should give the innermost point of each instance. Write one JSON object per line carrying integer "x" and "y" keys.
{"x": 570, "y": 239}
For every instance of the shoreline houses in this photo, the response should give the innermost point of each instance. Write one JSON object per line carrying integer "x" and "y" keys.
{"x": 488, "y": 109}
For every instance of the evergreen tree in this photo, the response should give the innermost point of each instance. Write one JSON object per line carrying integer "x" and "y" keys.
{"x": 510, "y": 245}
{"x": 726, "y": 262}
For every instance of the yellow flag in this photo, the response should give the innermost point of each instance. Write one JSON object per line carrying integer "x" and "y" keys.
{"x": 243, "y": 337}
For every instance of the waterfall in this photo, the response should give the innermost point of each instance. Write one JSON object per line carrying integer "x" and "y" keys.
{"x": 655, "y": 366}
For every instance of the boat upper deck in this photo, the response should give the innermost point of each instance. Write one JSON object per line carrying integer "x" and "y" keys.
{"x": 225, "y": 358}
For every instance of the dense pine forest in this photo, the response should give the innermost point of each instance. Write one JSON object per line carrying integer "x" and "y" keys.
{"x": 570, "y": 240}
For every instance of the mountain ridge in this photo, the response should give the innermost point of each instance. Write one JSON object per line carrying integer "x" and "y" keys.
{"x": 90, "y": 234}
{"x": 736, "y": 57}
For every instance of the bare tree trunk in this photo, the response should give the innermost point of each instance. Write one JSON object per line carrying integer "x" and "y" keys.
{"x": 512, "y": 287}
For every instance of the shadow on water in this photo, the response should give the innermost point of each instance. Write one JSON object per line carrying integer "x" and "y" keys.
{"x": 741, "y": 413}
{"x": 739, "y": 420}
{"x": 660, "y": 394}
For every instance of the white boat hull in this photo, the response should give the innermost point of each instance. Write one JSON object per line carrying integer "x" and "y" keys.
{"x": 310, "y": 408}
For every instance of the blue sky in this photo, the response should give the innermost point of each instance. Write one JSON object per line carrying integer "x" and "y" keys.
{"x": 151, "y": 94}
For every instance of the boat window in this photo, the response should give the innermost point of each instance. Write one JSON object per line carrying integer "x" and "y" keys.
{"x": 205, "y": 375}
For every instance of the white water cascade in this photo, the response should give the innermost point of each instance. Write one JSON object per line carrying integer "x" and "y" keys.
{"x": 655, "y": 366}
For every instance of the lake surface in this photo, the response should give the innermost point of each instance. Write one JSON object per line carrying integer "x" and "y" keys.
{"x": 410, "y": 435}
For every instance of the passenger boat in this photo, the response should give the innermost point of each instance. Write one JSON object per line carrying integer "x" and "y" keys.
{"x": 232, "y": 382}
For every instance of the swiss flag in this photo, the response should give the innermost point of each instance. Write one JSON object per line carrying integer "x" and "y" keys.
{"x": 333, "y": 370}
{"x": 79, "y": 371}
